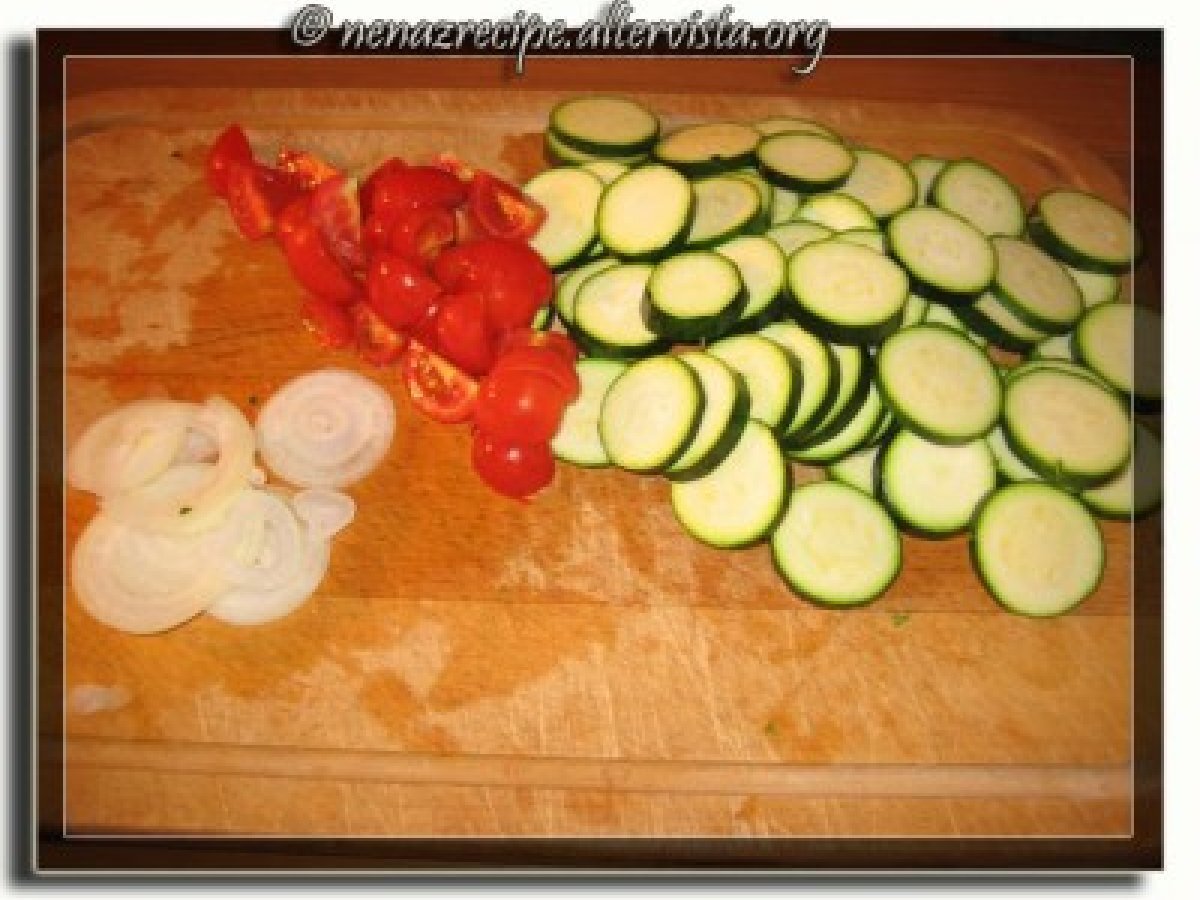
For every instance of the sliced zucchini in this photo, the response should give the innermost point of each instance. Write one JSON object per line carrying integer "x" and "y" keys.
{"x": 578, "y": 438}
{"x": 694, "y": 295}
{"x": 1055, "y": 365}
{"x": 915, "y": 309}
{"x": 604, "y": 125}
{"x": 726, "y": 411}
{"x": 789, "y": 124}
{"x": 726, "y": 206}
{"x": 819, "y": 375}
{"x": 1084, "y": 231}
{"x": 568, "y": 287}
{"x": 939, "y": 384}
{"x": 804, "y": 162}
{"x": 765, "y": 195}
{"x": 708, "y": 149}
{"x": 1057, "y": 347}
{"x": 1066, "y": 427}
{"x": 995, "y": 321}
{"x": 763, "y": 268}
{"x": 854, "y": 381}
{"x": 1008, "y": 464}
{"x": 1122, "y": 344}
{"x": 784, "y": 204}
{"x": 941, "y": 314}
{"x": 1137, "y": 489}
{"x": 771, "y": 374}
{"x": 791, "y": 236}
{"x": 607, "y": 170}
{"x": 1096, "y": 287}
{"x": 739, "y": 502}
{"x": 608, "y": 312}
{"x": 836, "y": 211}
{"x": 1035, "y": 287}
{"x": 883, "y": 184}
{"x": 543, "y": 319}
{"x": 565, "y": 154}
{"x": 1037, "y": 550}
{"x": 941, "y": 251}
{"x": 570, "y": 196}
{"x": 852, "y": 436}
{"x": 865, "y": 237}
{"x": 835, "y": 545}
{"x": 935, "y": 489}
{"x": 857, "y": 470}
{"x": 646, "y": 213}
{"x": 847, "y": 293}
{"x": 650, "y": 413}
{"x": 925, "y": 170}
{"x": 981, "y": 195}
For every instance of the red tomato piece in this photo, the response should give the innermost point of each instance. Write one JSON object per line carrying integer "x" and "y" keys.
{"x": 375, "y": 231}
{"x": 330, "y": 323}
{"x": 437, "y": 388}
{"x": 256, "y": 195}
{"x": 416, "y": 186}
{"x": 516, "y": 470}
{"x": 541, "y": 361}
{"x": 378, "y": 343}
{"x": 231, "y": 146}
{"x": 335, "y": 211}
{"x": 514, "y": 278}
{"x": 381, "y": 172}
{"x": 308, "y": 169}
{"x": 501, "y": 210}
{"x": 532, "y": 337}
{"x": 519, "y": 406}
{"x": 311, "y": 263}
{"x": 420, "y": 233}
{"x": 464, "y": 335}
{"x": 455, "y": 165}
{"x": 399, "y": 290}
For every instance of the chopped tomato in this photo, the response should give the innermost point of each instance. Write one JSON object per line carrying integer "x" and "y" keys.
{"x": 454, "y": 164}
{"x": 381, "y": 172}
{"x": 330, "y": 323}
{"x": 464, "y": 335}
{"x": 541, "y": 361}
{"x": 516, "y": 470}
{"x": 375, "y": 231}
{"x": 421, "y": 233}
{"x": 311, "y": 263}
{"x": 437, "y": 388}
{"x": 256, "y": 195}
{"x": 399, "y": 290}
{"x": 516, "y": 405}
{"x": 377, "y": 342}
{"x": 416, "y": 186}
{"x": 532, "y": 337}
{"x": 499, "y": 209}
{"x": 335, "y": 211}
{"x": 307, "y": 168}
{"x": 514, "y": 278}
{"x": 231, "y": 146}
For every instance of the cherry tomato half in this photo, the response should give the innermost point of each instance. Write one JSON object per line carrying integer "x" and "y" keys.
{"x": 437, "y": 388}
{"x": 541, "y": 361}
{"x": 377, "y": 342}
{"x": 515, "y": 470}
{"x": 231, "y": 146}
{"x": 464, "y": 335}
{"x": 416, "y": 186}
{"x": 501, "y": 210}
{"x": 399, "y": 290}
{"x": 381, "y": 172}
{"x": 420, "y": 233}
{"x": 532, "y": 337}
{"x": 335, "y": 212}
{"x": 511, "y": 274}
{"x": 330, "y": 323}
{"x": 311, "y": 263}
{"x": 257, "y": 194}
{"x": 305, "y": 167}
{"x": 519, "y": 406}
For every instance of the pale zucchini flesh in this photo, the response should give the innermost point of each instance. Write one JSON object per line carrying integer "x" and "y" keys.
{"x": 883, "y": 184}
{"x": 650, "y": 413}
{"x": 577, "y": 440}
{"x": 934, "y": 488}
{"x": 981, "y": 195}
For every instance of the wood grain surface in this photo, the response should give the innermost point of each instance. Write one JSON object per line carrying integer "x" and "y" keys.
{"x": 572, "y": 666}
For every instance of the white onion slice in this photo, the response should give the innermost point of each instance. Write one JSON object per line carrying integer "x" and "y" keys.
{"x": 201, "y": 507}
{"x": 129, "y": 446}
{"x": 197, "y": 446}
{"x": 266, "y": 542}
{"x": 255, "y": 606}
{"x": 325, "y": 512}
{"x": 328, "y": 428}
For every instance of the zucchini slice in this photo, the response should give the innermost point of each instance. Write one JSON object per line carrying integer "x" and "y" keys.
{"x": 857, "y": 470}
{"x": 854, "y": 374}
{"x": 1095, "y": 287}
{"x": 771, "y": 374}
{"x": 853, "y": 435}
{"x": 694, "y": 295}
{"x": 650, "y": 413}
{"x": 604, "y": 125}
{"x": 882, "y": 183}
{"x": 568, "y": 287}
{"x": 1084, "y": 231}
{"x": 791, "y": 124}
{"x": 1037, "y": 549}
{"x": 565, "y": 154}
{"x": 726, "y": 411}
{"x": 708, "y": 149}
{"x": 784, "y": 204}
{"x": 607, "y": 170}
{"x": 1010, "y": 466}
{"x": 942, "y": 252}
{"x": 570, "y": 196}
{"x": 791, "y": 236}
{"x": 981, "y": 195}
{"x": 1035, "y": 287}
{"x": 865, "y": 237}
{"x": 915, "y": 309}
{"x": 1137, "y": 489}
{"x": 988, "y": 317}
{"x": 739, "y": 501}
{"x": 837, "y": 211}
{"x": 763, "y": 268}
{"x": 941, "y": 314}
{"x": 1057, "y": 347}
{"x": 939, "y": 384}
{"x": 847, "y": 293}
{"x": 608, "y": 312}
{"x": 726, "y": 206}
{"x": 645, "y": 213}
{"x": 1066, "y": 427}
{"x": 835, "y": 545}
{"x": 578, "y": 438}
{"x": 1122, "y": 343}
{"x": 935, "y": 489}
{"x": 819, "y": 375}
{"x": 804, "y": 162}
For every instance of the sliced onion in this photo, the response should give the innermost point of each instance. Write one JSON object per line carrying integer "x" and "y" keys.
{"x": 200, "y": 508}
{"x": 254, "y": 606}
{"x": 197, "y": 446}
{"x": 129, "y": 446}
{"x": 328, "y": 428}
{"x": 325, "y": 512}
{"x": 266, "y": 545}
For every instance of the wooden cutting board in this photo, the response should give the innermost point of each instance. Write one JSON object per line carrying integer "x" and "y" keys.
{"x": 576, "y": 665}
